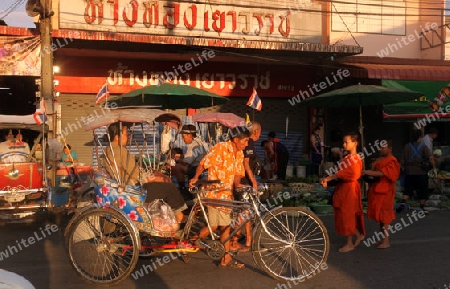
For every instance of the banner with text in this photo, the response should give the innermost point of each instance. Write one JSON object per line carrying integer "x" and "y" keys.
{"x": 20, "y": 55}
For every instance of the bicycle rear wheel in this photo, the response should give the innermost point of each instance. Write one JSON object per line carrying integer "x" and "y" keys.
{"x": 102, "y": 246}
{"x": 293, "y": 247}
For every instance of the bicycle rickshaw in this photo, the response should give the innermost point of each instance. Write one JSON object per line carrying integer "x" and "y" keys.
{"x": 105, "y": 240}
{"x": 25, "y": 193}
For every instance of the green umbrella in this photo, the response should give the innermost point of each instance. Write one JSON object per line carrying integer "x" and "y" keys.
{"x": 169, "y": 96}
{"x": 361, "y": 95}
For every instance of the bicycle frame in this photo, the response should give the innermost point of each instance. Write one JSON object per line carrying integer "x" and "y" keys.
{"x": 254, "y": 207}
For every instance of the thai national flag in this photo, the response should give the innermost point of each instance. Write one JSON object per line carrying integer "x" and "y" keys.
{"x": 254, "y": 101}
{"x": 102, "y": 94}
{"x": 40, "y": 116}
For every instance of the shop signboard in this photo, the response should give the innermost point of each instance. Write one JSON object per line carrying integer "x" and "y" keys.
{"x": 268, "y": 20}
{"x": 219, "y": 78}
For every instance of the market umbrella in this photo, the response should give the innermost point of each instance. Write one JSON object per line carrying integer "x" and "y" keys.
{"x": 169, "y": 96}
{"x": 227, "y": 119}
{"x": 361, "y": 95}
{"x": 138, "y": 115}
{"x": 412, "y": 110}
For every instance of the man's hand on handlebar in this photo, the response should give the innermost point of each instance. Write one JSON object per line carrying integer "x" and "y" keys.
{"x": 192, "y": 182}
{"x": 195, "y": 182}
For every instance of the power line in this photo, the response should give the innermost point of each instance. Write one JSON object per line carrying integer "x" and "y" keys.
{"x": 386, "y": 5}
{"x": 13, "y": 7}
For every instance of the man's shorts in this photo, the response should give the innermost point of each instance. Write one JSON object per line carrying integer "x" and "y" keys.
{"x": 218, "y": 218}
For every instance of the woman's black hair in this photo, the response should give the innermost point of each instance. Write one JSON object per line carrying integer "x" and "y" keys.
{"x": 113, "y": 130}
{"x": 239, "y": 132}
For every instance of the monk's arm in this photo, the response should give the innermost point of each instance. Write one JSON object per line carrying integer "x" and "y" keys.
{"x": 372, "y": 173}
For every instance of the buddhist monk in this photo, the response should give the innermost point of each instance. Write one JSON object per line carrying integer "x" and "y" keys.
{"x": 381, "y": 194}
{"x": 348, "y": 212}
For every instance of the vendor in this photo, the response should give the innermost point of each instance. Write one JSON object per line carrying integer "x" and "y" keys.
{"x": 69, "y": 157}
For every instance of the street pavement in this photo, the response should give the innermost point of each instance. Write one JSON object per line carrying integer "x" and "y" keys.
{"x": 419, "y": 257}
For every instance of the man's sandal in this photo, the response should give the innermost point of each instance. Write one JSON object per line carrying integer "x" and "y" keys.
{"x": 232, "y": 265}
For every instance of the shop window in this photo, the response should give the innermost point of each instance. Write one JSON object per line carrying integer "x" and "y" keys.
{"x": 387, "y": 17}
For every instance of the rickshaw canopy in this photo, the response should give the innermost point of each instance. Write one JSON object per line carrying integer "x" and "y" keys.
{"x": 137, "y": 115}
{"x": 34, "y": 127}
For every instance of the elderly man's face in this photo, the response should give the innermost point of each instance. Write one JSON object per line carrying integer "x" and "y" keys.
{"x": 240, "y": 143}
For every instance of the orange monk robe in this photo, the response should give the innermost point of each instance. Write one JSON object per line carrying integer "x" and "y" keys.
{"x": 347, "y": 204}
{"x": 382, "y": 194}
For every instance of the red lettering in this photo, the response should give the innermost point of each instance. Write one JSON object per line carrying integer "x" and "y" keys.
{"x": 91, "y": 18}
{"x": 116, "y": 10}
{"x": 151, "y": 14}
{"x": 172, "y": 15}
{"x": 272, "y": 25}
{"x": 193, "y": 17}
{"x": 216, "y": 16}
{"x": 258, "y": 17}
{"x": 285, "y": 33}
{"x": 206, "y": 21}
{"x": 233, "y": 20}
{"x": 134, "y": 6}
{"x": 246, "y": 29}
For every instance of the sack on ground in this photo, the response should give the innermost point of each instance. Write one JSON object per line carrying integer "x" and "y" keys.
{"x": 162, "y": 216}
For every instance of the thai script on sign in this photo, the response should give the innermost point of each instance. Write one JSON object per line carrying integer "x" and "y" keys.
{"x": 124, "y": 76}
{"x": 189, "y": 16}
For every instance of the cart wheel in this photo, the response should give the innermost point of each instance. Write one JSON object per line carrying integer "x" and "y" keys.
{"x": 103, "y": 247}
{"x": 214, "y": 249}
{"x": 295, "y": 245}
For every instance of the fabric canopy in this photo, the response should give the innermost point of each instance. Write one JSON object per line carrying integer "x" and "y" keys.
{"x": 410, "y": 111}
{"x": 430, "y": 89}
{"x": 413, "y": 110}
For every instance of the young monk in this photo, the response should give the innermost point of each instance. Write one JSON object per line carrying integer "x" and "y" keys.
{"x": 348, "y": 212}
{"x": 382, "y": 194}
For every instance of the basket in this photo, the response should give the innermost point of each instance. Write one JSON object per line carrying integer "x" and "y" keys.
{"x": 274, "y": 188}
{"x": 297, "y": 188}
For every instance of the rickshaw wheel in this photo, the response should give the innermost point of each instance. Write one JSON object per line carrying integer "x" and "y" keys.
{"x": 103, "y": 246}
{"x": 295, "y": 245}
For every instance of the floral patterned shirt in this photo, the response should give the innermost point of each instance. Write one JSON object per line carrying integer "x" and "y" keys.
{"x": 223, "y": 165}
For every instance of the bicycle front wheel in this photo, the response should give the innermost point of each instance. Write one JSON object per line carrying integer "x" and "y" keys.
{"x": 292, "y": 245}
{"x": 102, "y": 246}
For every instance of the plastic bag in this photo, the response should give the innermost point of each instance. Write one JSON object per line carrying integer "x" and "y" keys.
{"x": 55, "y": 149}
{"x": 162, "y": 216}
